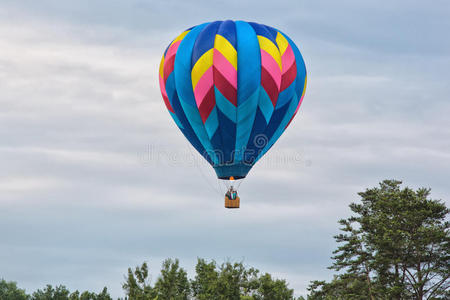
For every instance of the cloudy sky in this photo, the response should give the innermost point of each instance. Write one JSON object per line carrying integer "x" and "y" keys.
{"x": 95, "y": 177}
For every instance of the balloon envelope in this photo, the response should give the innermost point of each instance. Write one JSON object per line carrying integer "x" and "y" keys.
{"x": 232, "y": 87}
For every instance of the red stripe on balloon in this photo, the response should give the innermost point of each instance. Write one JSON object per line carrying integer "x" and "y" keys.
{"x": 169, "y": 60}
{"x": 227, "y": 70}
{"x": 168, "y": 105}
{"x": 164, "y": 94}
{"x": 168, "y": 67}
{"x": 288, "y": 77}
{"x": 269, "y": 85}
{"x": 225, "y": 87}
{"x": 207, "y": 105}
{"x": 288, "y": 58}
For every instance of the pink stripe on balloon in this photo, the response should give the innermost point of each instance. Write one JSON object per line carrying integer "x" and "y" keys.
{"x": 162, "y": 86}
{"x": 172, "y": 49}
{"x": 299, "y": 103}
{"x": 287, "y": 59}
{"x": 225, "y": 67}
{"x": 272, "y": 67}
{"x": 203, "y": 86}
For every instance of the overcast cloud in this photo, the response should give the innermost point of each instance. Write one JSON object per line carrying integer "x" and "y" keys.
{"x": 95, "y": 177}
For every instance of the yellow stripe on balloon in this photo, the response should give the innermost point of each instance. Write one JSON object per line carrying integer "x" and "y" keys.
{"x": 180, "y": 37}
{"x": 267, "y": 45}
{"x": 201, "y": 66}
{"x": 227, "y": 50}
{"x": 282, "y": 43}
{"x": 161, "y": 67}
{"x": 304, "y": 86}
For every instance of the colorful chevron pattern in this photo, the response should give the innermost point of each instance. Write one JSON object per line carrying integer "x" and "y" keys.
{"x": 229, "y": 85}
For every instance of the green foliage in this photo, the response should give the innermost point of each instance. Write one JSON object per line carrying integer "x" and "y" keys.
{"x": 233, "y": 281}
{"x": 204, "y": 286}
{"x": 228, "y": 281}
{"x": 62, "y": 293}
{"x": 137, "y": 286}
{"x": 104, "y": 295}
{"x": 173, "y": 283}
{"x": 270, "y": 289}
{"x": 9, "y": 290}
{"x": 396, "y": 246}
{"x": 50, "y": 293}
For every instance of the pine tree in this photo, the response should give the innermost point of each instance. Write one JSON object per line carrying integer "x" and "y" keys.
{"x": 396, "y": 246}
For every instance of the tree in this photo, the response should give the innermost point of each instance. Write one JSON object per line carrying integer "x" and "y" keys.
{"x": 49, "y": 293}
{"x": 396, "y": 246}
{"x": 204, "y": 286}
{"x": 173, "y": 283}
{"x": 62, "y": 293}
{"x": 9, "y": 290}
{"x": 137, "y": 285}
{"x": 270, "y": 289}
{"x": 228, "y": 281}
{"x": 104, "y": 295}
{"x": 233, "y": 281}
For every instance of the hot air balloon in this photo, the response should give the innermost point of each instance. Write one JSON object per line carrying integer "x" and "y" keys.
{"x": 232, "y": 88}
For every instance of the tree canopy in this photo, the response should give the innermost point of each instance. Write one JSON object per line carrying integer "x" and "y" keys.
{"x": 227, "y": 281}
{"x": 395, "y": 246}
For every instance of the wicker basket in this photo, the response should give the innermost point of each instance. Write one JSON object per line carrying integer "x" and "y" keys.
{"x": 229, "y": 203}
